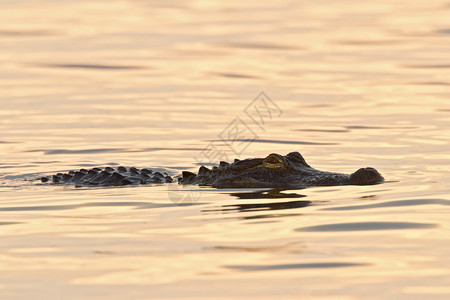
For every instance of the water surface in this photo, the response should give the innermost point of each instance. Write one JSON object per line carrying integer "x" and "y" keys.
{"x": 158, "y": 83}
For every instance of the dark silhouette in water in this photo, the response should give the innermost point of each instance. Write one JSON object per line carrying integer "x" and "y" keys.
{"x": 289, "y": 171}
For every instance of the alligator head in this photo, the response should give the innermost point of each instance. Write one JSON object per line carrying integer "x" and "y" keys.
{"x": 276, "y": 170}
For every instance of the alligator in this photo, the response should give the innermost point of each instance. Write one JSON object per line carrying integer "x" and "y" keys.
{"x": 275, "y": 170}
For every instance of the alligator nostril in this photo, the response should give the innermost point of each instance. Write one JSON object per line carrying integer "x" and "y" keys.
{"x": 372, "y": 172}
{"x": 366, "y": 176}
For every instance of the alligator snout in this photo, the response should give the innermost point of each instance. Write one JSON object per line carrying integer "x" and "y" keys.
{"x": 366, "y": 176}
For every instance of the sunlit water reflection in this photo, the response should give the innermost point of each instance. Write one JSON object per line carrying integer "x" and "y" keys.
{"x": 154, "y": 84}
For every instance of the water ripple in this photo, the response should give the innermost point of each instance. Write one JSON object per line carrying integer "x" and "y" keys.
{"x": 92, "y": 66}
{"x": 277, "y": 142}
{"x": 256, "y": 45}
{"x": 9, "y": 223}
{"x": 25, "y": 33}
{"x": 294, "y": 266}
{"x": 105, "y": 150}
{"x": 399, "y": 203}
{"x": 137, "y": 205}
{"x": 364, "y": 226}
{"x": 236, "y": 75}
{"x": 6, "y": 142}
{"x": 427, "y": 66}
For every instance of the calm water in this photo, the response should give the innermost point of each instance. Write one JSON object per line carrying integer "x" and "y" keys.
{"x": 160, "y": 83}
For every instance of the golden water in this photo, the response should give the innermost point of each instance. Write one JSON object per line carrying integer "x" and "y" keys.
{"x": 158, "y": 83}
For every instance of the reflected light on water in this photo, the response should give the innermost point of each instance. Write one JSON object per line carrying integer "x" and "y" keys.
{"x": 153, "y": 83}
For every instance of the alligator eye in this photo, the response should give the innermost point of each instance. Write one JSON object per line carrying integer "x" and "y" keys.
{"x": 273, "y": 161}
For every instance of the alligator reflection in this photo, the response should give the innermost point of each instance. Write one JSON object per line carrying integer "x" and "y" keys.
{"x": 266, "y": 206}
{"x": 271, "y": 194}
